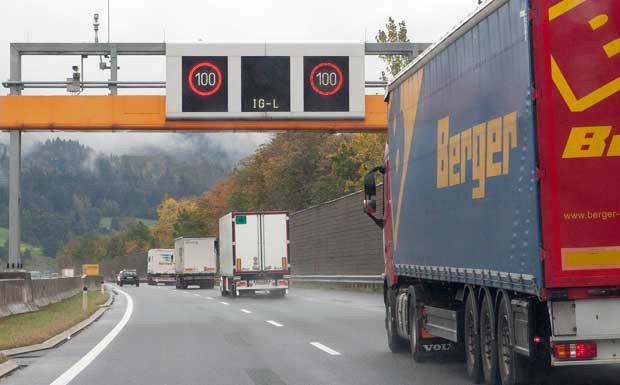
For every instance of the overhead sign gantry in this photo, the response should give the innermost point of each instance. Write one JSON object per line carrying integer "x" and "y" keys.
{"x": 209, "y": 87}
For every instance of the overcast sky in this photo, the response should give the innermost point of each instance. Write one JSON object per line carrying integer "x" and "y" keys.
{"x": 206, "y": 21}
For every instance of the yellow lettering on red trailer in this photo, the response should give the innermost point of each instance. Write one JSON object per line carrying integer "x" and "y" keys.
{"x": 586, "y": 142}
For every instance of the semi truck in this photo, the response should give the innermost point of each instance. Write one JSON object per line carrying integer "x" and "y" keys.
{"x": 501, "y": 203}
{"x": 195, "y": 262}
{"x": 160, "y": 266}
{"x": 254, "y": 253}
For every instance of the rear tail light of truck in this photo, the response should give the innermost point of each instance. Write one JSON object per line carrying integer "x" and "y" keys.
{"x": 578, "y": 350}
{"x": 241, "y": 284}
{"x": 282, "y": 282}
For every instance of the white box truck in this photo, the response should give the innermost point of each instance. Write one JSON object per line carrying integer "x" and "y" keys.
{"x": 160, "y": 266}
{"x": 254, "y": 253}
{"x": 195, "y": 262}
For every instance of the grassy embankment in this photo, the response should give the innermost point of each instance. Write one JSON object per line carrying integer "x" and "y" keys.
{"x": 36, "y": 327}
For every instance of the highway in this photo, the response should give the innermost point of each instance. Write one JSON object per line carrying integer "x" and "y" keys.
{"x": 197, "y": 337}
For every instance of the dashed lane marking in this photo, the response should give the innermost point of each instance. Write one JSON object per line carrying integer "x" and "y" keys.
{"x": 324, "y": 348}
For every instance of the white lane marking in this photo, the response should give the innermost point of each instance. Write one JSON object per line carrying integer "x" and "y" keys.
{"x": 224, "y": 303}
{"x": 209, "y": 297}
{"x": 245, "y": 311}
{"x": 73, "y": 371}
{"x": 196, "y": 295}
{"x": 274, "y": 323}
{"x": 324, "y": 348}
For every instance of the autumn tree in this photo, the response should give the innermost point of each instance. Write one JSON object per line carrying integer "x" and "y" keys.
{"x": 393, "y": 33}
{"x": 214, "y": 204}
{"x": 168, "y": 213}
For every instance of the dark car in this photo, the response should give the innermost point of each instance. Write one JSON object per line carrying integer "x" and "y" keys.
{"x": 128, "y": 277}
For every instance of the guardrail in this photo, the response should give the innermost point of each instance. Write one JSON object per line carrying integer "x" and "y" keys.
{"x": 348, "y": 279}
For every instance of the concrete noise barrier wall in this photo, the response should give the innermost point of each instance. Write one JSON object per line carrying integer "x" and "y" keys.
{"x": 21, "y": 295}
{"x": 337, "y": 238}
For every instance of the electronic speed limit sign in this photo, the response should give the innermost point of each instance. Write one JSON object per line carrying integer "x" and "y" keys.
{"x": 326, "y": 83}
{"x": 222, "y": 81}
{"x": 205, "y": 85}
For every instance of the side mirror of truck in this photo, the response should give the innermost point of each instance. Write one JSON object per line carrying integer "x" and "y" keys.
{"x": 370, "y": 192}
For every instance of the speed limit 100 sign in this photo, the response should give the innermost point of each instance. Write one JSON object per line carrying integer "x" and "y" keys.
{"x": 271, "y": 81}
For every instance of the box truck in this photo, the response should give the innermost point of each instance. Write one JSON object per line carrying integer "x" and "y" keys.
{"x": 195, "y": 262}
{"x": 502, "y": 191}
{"x": 253, "y": 253}
{"x": 160, "y": 266}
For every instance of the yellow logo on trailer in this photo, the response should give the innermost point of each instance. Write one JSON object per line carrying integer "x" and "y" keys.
{"x": 478, "y": 144}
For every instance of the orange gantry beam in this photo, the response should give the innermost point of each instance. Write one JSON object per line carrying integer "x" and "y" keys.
{"x": 148, "y": 113}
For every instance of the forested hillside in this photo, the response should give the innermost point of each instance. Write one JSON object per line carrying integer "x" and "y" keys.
{"x": 67, "y": 187}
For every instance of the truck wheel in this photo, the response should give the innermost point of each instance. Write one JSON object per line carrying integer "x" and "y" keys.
{"x": 488, "y": 345}
{"x": 472, "y": 339}
{"x": 396, "y": 343}
{"x": 415, "y": 325}
{"x": 513, "y": 368}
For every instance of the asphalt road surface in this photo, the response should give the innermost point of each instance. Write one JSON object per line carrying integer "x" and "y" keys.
{"x": 195, "y": 337}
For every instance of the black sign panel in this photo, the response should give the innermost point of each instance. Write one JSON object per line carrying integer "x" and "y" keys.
{"x": 265, "y": 83}
{"x": 205, "y": 84}
{"x": 326, "y": 83}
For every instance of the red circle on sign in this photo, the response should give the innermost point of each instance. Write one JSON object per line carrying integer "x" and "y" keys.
{"x": 196, "y": 68}
{"x": 338, "y": 85}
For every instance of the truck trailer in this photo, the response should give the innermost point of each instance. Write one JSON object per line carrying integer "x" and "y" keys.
{"x": 195, "y": 262}
{"x": 160, "y": 266}
{"x": 502, "y": 191}
{"x": 254, "y": 253}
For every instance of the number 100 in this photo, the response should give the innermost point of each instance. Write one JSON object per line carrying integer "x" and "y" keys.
{"x": 327, "y": 79}
{"x": 206, "y": 79}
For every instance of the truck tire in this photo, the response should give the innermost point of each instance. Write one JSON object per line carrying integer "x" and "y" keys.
{"x": 415, "y": 324}
{"x": 471, "y": 338}
{"x": 513, "y": 368}
{"x": 396, "y": 343}
{"x": 488, "y": 345}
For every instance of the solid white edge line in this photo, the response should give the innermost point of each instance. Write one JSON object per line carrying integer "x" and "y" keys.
{"x": 324, "y": 348}
{"x": 73, "y": 371}
{"x": 246, "y": 311}
{"x": 196, "y": 295}
{"x": 274, "y": 323}
{"x": 209, "y": 297}
{"x": 224, "y": 303}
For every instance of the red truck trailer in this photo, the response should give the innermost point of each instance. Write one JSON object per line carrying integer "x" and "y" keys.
{"x": 502, "y": 191}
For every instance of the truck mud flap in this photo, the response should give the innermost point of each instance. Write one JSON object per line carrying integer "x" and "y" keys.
{"x": 432, "y": 346}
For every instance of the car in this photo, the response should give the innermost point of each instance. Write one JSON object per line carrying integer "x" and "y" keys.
{"x": 128, "y": 277}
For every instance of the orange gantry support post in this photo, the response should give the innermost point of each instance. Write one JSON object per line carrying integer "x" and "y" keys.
{"x": 148, "y": 113}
